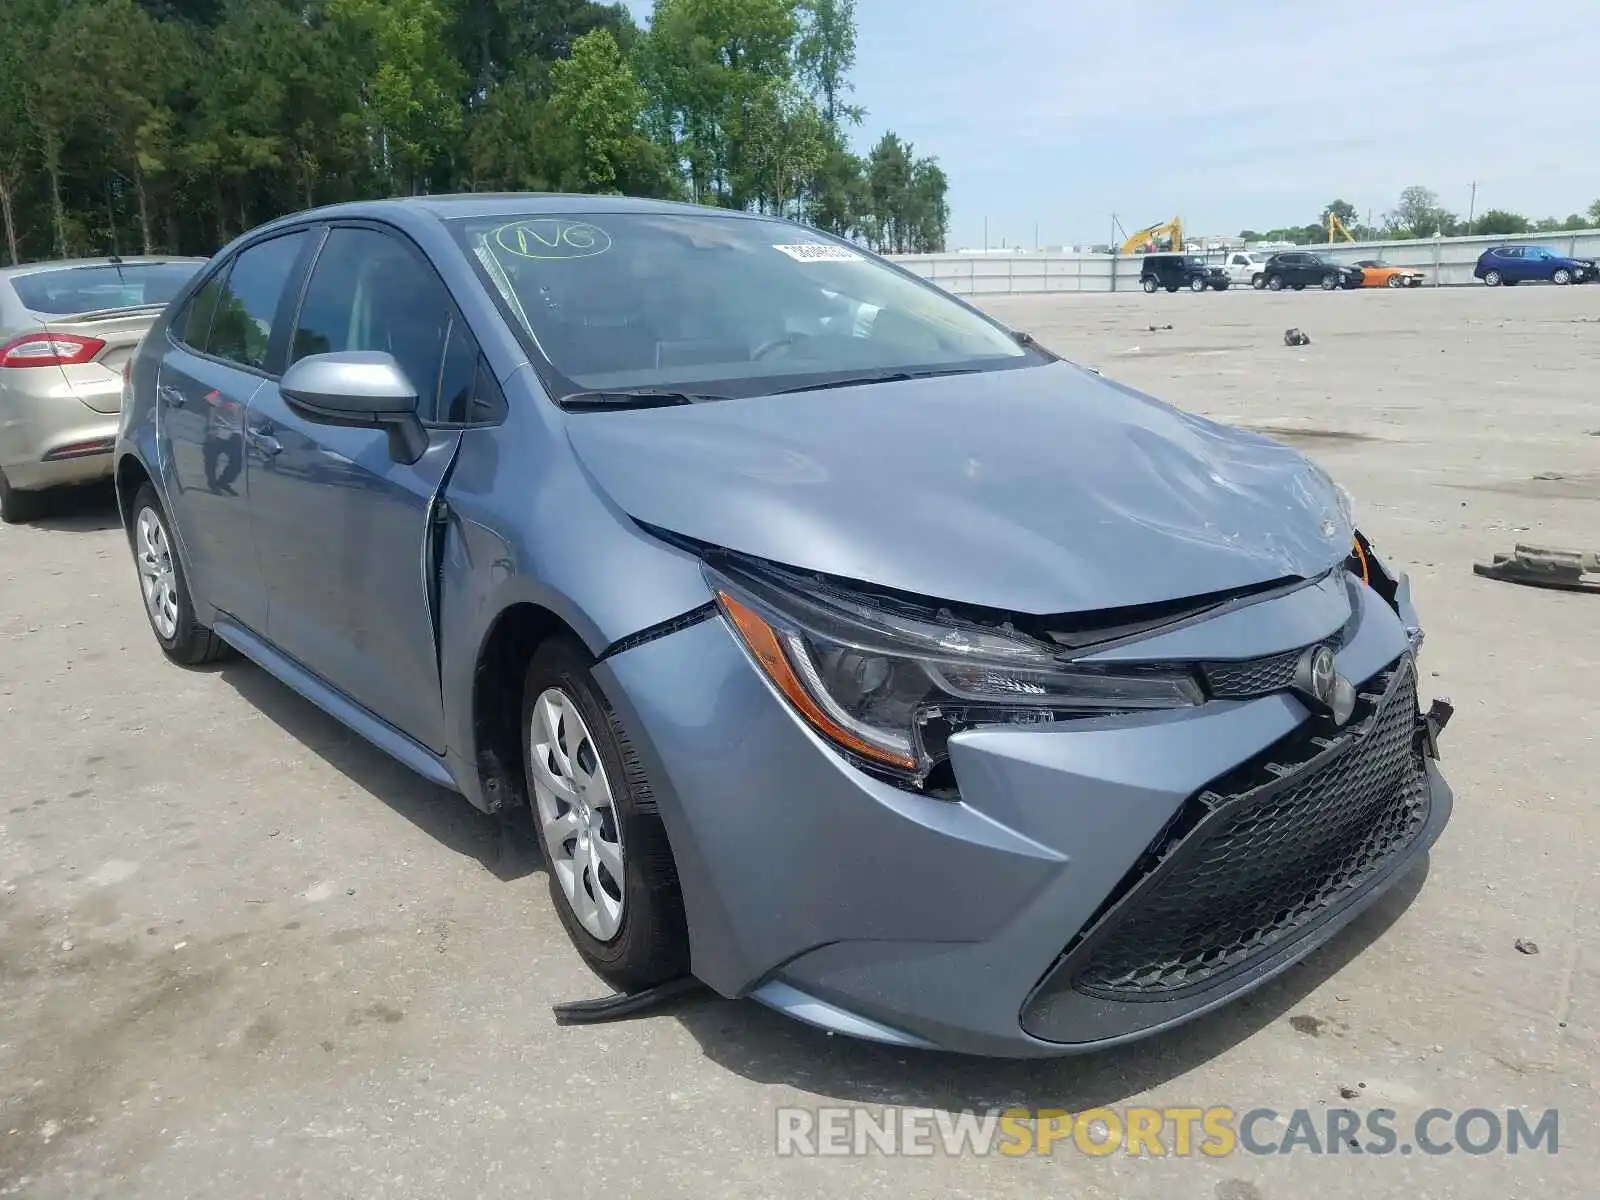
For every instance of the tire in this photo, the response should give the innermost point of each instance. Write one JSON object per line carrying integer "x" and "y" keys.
{"x": 168, "y": 603}
{"x": 18, "y": 508}
{"x": 636, "y": 936}
{"x": 1149, "y": 286}
{"x": 1258, "y": 282}
{"x": 1299, "y": 287}
{"x": 1395, "y": 281}
{"x": 1197, "y": 284}
{"x": 1275, "y": 283}
{"x": 1492, "y": 278}
{"x": 1561, "y": 276}
{"x": 1223, "y": 285}
{"x": 1330, "y": 282}
{"x": 1172, "y": 287}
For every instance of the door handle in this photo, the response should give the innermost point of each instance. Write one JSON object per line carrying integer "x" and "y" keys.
{"x": 173, "y": 396}
{"x": 265, "y": 442}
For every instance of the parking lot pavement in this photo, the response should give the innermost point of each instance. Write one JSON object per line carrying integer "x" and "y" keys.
{"x": 242, "y": 955}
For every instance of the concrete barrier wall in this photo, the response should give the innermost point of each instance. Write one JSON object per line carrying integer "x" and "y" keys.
{"x": 1448, "y": 262}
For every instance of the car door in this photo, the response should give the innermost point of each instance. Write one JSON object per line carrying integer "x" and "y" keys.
{"x": 218, "y": 355}
{"x": 344, "y": 525}
{"x": 1509, "y": 261}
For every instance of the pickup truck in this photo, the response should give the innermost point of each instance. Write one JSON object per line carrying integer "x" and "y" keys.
{"x": 1245, "y": 267}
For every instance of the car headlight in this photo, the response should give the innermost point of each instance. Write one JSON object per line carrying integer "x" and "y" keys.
{"x": 888, "y": 684}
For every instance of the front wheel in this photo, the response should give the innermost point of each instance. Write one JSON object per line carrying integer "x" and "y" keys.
{"x": 1329, "y": 282}
{"x": 1275, "y": 283}
{"x": 1492, "y": 278}
{"x": 1562, "y": 276}
{"x": 612, "y": 875}
{"x": 1197, "y": 284}
{"x": 1149, "y": 286}
{"x": 1395, "y": 281}
{"x": 1258, "y": 282}
{"x": 168, "y": 603}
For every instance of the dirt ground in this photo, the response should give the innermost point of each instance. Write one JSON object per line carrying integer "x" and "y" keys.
{"x": 242, "y": 954}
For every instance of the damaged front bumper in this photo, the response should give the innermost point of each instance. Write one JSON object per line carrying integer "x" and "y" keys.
{"x": 1089, "y": 883}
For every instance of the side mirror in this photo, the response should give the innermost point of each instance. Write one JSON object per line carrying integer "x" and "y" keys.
{"x": 362, "y": 389}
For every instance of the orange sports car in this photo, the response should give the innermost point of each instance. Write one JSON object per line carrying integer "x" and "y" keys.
{"x": 1376, "y": 273}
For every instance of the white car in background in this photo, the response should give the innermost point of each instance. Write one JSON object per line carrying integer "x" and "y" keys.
{"x": 1245, "y": 267}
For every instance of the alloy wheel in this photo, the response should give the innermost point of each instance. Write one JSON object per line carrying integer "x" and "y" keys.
{"x": 577, "y": 812}
{"x": 158, "y": 579}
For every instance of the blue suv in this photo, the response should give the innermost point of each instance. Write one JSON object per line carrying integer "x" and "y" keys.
{"x": 1516, "y": 264}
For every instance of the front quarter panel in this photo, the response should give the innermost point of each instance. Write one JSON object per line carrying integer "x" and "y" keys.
{"x": 527, "y": 525}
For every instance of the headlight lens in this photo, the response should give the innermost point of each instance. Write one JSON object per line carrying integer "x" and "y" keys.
{"x": 888, "y": 685}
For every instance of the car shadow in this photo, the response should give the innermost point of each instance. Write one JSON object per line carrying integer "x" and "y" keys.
{"x": 760, "y": 1045}
{"x": 504, "y": 846}
{"x": 91, "y": 508}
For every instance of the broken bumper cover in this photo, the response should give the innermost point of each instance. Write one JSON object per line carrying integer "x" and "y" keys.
{"x": 968, "y": 924}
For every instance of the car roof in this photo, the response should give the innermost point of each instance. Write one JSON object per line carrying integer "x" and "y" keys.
{"x": 57, "y": 264}
{"x": 499, "y": 204}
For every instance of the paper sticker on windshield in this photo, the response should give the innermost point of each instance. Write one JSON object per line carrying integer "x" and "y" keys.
{"x": 818, "y": 252}
{"x": 552, "y": 237}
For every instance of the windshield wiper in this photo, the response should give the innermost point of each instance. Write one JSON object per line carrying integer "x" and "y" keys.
{"x": 641, "y": 398}
{"x": 878, "y": 377}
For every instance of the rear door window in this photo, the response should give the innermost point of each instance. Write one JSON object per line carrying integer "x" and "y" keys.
{"x": 248, "y": 303}
{"x": 195, "y": 326}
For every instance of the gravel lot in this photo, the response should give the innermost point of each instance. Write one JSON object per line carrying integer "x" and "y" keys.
{"x": 241, "y": 954}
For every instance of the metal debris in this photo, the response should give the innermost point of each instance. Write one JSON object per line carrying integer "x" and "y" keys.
{"x": 1544, "y": 567}
{"x": 1527, "y": 946}
{"x": 1296, "y": 337}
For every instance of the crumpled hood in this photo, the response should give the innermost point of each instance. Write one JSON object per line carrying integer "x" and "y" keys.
{"x": 1039, "y": 490}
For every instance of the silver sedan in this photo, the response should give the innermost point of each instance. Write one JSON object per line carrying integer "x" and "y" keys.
{"x": 66, "y": 329}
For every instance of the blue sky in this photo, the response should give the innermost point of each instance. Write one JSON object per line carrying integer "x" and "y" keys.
{"x": 1244, "y": 114}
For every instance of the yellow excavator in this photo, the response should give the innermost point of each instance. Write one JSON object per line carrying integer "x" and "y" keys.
{"x": 1337, "y": 226}
{"x": 1143, "y": 239}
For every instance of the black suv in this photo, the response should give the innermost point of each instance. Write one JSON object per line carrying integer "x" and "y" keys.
{"x": 1296, "y": 268}
{"x": 1173, "y": 271}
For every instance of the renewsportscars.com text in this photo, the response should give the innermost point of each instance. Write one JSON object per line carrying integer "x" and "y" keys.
{"x": 1214, "y": 1132}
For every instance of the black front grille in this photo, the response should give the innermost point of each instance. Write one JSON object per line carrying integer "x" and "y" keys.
{"x": 1239, "y": 679}
{"x": 1267, "y": 851}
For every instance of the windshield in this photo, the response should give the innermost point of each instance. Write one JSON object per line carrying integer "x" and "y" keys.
{"x": 89, "y": 289}
{"x": 719, "y": 304}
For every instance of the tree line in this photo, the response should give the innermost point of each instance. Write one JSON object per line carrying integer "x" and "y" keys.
{"x": 1419, "y": 214}
{"x": 169, "y": 126}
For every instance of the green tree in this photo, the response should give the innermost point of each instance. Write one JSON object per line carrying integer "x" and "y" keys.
{"x": 597, "y": 104}
{"x": 710, "y": 66}
{"x": 787, "y": 142}
{"x": 1594, "y": 213}
{"x": 409, "y": 86}
{"x": 825, "y": 55}
{"x": 1498, "y": 221}
{"x": 907, "y": 211}
{"x": 1418, "y": 214}
{"x": 1345, "y": 211}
